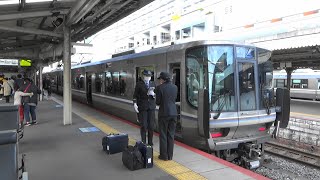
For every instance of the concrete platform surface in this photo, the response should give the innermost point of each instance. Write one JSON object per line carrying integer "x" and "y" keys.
{"x": 55, "y": 151}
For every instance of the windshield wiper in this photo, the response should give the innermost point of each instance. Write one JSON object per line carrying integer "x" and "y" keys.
{"x": 224, "y": 97}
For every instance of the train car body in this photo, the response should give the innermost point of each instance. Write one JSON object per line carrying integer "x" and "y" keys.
{"x": 236, "y": 77}
{"x": 305, "y": 83}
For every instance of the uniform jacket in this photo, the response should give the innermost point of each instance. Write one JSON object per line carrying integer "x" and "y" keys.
{"x": 166, "y": 95}
{"x": 140, "y": 96}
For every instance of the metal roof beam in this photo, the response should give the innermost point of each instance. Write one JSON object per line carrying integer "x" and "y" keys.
{"x": 31, "y": 14}
{"x": 29, "y": 31}
{"x": 80, "y": 10}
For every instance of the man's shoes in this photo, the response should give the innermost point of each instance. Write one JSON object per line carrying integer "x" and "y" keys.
{"x": 34, "y": 122}
{"x": 164, "y": 159}
{"x": 28, "y": 124}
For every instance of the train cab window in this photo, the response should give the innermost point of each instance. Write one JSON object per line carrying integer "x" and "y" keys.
{"x": 265, "y": 74}
{"x": 98, "y": 82}
{"x": 247, "y": 87}
{"x": 195, "y": 70}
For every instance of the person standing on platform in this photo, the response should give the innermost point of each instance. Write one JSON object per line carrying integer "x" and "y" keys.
{"x": 18, "y": 82}
{"x": 145, "y": 105}
{"x": 166, "y": 95}
{"x": 7, "y": 90}
{"x": 30, "y": 103}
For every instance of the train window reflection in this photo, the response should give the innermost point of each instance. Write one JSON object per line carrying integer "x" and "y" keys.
{"x": 221, "y": 78}
{"x": 98, "y": 82}
{"x": 123, "y": 79}
{"x": 265, "y": 72}
{"x": 247, "y": 87}
{"x": 108, "y": 83}
{"x": 195, "y": 73}
{"x": 300, "y": 83}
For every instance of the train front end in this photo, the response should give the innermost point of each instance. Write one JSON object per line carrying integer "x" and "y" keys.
{"x": 235, "y": 99}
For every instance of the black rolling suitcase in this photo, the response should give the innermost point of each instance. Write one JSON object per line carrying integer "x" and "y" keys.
{"x": 147, "y": 154}
{"x": 114, "y": 143}
{"x": 132, "y": 158}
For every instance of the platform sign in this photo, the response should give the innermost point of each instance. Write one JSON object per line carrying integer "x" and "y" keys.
{"x": 89, "y": 129}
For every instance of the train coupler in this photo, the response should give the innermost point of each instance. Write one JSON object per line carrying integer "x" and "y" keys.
{"x": 250, "y": 155}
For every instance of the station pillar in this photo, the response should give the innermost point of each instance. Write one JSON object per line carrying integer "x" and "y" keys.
{"x": 289, "y": 71}
{"x": 67, "y": 101}
{"x": 40, "y": 82}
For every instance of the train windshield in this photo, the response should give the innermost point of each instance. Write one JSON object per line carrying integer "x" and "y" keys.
{"x": 221, "y": 78}
{"x": 211, "y": 67}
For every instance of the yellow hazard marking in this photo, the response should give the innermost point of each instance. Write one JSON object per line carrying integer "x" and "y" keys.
{"x": 171, "y": 167}
{"x": 303, "y": 114}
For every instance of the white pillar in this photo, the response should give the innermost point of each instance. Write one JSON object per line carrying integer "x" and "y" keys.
{"x": 40, "y": 82}
{"x": 67, "y": 103}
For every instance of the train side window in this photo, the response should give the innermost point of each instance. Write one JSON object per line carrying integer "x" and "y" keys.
{"x": 300, "y": 83}
{"x": 108, "y": 83}
{"x": 123, "y": 79}
{"x": 98, "y": 82}
{"x": 318, "y": 83}
{"x": 115, "y": 83}
{"x": 77, "y": 79}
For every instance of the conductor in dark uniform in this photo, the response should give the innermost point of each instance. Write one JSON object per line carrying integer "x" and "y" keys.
{"x": 166, "y": 95}
{"x": 145, "y": 105}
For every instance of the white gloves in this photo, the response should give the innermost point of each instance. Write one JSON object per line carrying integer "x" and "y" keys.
{"x": 151, "y": 92}
{"x": 136, "y": 107}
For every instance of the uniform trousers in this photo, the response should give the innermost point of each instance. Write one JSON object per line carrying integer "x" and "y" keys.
{"x": 146, "y": 119}
{"x": 167, "y": 127}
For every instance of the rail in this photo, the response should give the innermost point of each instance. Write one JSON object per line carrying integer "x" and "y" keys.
{"x": 293, "y": 154}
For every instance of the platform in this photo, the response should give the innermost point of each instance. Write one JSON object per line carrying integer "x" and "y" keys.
{"x": 55, "y": 151}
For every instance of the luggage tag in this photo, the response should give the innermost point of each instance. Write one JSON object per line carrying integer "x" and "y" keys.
{"x": 149, "y": 160}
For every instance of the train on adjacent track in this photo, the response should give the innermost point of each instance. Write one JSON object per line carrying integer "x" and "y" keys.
{"x": 305, "y": 83}
{"x": 225, "y": 99}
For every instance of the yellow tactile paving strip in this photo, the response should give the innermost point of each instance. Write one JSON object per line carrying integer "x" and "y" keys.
{"x": 171, "y": 167}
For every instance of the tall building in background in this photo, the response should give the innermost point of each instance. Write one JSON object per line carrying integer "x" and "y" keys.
{"x": 165, "y": 21}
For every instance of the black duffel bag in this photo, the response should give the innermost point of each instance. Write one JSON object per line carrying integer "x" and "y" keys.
{"x": 132, "y": 158}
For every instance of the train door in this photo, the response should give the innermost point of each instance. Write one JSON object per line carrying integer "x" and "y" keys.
{"x": 175, "y": 71}
{"x": 247, "y": 85}
{"x": 89, "y": 88}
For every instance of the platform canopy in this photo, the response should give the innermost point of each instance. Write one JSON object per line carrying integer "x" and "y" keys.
{"x": 33, "y": 29}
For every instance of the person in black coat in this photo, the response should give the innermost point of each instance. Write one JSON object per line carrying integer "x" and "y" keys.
{"x": 166, "y": 95}
{"x": 145, "y": 105}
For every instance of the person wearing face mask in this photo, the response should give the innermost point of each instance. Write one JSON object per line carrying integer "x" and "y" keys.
{"x": 145, "y": 105}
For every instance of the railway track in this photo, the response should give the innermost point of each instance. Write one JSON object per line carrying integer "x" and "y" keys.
{"x": 293, "y": 154}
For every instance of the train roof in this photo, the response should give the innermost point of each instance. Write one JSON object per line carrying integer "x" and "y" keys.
{"x": 182, "y": 45}
{"x": 298, "y": 74}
